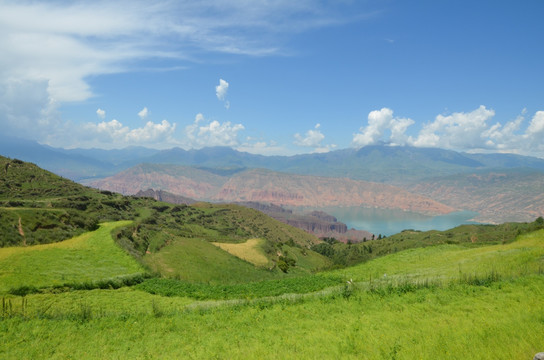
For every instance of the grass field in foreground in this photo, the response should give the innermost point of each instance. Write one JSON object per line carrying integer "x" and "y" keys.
{"x": 443, "y": 315}
{"x": 502, "y": 321}
{"x": 91, "y": 256}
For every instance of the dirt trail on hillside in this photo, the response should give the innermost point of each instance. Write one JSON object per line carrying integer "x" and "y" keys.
{"x": 21, "y": 232}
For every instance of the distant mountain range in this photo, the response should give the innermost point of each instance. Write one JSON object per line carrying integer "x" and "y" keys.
{"x": 500, "y": 187}
{"x": 378, "y": 163}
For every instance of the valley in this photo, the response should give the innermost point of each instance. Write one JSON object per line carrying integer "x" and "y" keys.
{"x": 163, "y": 268}
{"x": 499, "y": 187}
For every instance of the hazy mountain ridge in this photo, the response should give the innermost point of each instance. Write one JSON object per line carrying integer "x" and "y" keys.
{"x": 397, "y": 165}
{"x": 497, "y": 195}
{"x": 265, "y": 186}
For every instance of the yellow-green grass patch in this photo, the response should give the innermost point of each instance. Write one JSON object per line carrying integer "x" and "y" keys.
{"x": 250, "y": 251}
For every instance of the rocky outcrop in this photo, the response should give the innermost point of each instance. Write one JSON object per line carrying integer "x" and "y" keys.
{"x": 318, "y": 223}
{"x": 165, "y": 196}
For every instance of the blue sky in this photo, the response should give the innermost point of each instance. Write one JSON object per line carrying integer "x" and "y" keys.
{"x": 274, "y": 77}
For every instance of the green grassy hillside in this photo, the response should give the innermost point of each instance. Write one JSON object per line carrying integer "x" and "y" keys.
{"x": 38, "y": 207}
{"x": 91, "y": 257}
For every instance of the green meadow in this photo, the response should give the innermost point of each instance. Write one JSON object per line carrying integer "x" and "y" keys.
{"x": 446, "y": 301}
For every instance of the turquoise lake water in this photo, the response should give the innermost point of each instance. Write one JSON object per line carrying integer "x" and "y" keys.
{"x": 389, "y": 222}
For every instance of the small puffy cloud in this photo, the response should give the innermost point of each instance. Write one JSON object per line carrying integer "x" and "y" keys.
{"x": 221, "y": 92}
{"x": 313, "y": 139}
{"x": 212, "y": 133}
{"x": 381, "y": 124}
{"x": 143, "y": 113}
{"x": 101, "y": 113}
{"x": 221, "y": 89}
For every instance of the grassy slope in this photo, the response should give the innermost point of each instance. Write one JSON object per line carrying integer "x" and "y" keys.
{"x": 445, "y": 262}
{"x": 197, "y": 260}
{"x": 92, "y": 256}
{"x": 457, "y": 320}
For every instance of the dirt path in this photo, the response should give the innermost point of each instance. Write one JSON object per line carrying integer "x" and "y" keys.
{"x": 21, "y": 232}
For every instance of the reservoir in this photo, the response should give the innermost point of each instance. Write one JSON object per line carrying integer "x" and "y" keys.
{"x": 389, "y": 222}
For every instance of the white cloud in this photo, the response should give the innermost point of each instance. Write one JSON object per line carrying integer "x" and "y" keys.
{"x": 26, "y": 109}
{"x": 536, "y": 127}
{"x": 313, "y": 139}
{"x": 535, "y": 133}
{"x": 381, "y": 124}
{"x": 101, "y": 113}
{"x": 221, "y": 89}
{"x": 221, "y": 92}
{"x": 456, "y": 131}
{"x": 66, "y": 42}
{"x": 143, "y": 113}
{"x": 463, "y": 131}
{"x": 212, "y": 133}
{"x": 108, "y": 132}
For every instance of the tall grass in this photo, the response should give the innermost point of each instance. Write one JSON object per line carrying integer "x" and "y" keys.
{"x": 458, "y": 321}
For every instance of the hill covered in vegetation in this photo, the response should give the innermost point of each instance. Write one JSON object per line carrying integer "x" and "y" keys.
{"x": 38, "y": 207}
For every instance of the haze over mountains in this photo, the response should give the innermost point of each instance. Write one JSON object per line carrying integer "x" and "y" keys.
{"x": 500, "y": 187}
{"x": 266, "y": 186}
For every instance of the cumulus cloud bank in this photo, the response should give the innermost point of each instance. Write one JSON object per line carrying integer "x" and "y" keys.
{"x": 108, "y": 132}
{"x": 465, "y": 131}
